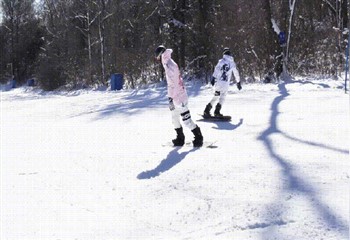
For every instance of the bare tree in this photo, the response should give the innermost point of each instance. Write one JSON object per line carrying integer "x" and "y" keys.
{"x": 87, "y": 16}
{"x": 22, "y": 38}
{"x": 339, "y": 10}
{"x": 102, "y": 17}
{"x": 289, "y": 33}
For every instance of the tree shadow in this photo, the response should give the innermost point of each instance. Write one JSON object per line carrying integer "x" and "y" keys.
{"x": 309, "y": 82}
{"x": 315, "y": 144}
{"x": 136, "y": 102}
{"x": 293, "y": 182}
{"x": 173, "y": 158}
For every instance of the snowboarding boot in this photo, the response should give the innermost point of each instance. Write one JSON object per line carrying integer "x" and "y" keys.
{"x": 207, "y": 109}
{"x": 217, "y": 111}
{"x": 198, "y": 138}
{"x": 180, "y": 138}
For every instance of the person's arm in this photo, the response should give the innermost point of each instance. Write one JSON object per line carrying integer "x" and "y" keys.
{"x": 170, "y": 69}
{"x": 215, "y": 73}
{"x": 237, "y": 77}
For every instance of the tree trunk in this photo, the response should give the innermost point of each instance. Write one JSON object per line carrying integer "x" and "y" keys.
{"x": 290, "y": 24}
{"x": 204, "y": 40}
{"x": 271, "y": 37}
{"x": 344, "y": 13}
{"x": 178, "y": 33}
{"x": 102, "y": 39}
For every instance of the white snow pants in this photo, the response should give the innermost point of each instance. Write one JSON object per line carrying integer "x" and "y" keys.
{"x": 219, "y": 96}
{"x": 182, "y": 112}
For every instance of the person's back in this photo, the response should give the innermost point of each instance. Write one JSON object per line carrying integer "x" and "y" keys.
{"x": 176, "y": 88}
{"x": 178, "y": 100}
{"x": 221, "y": 81}
{"x": 223, "y": 72}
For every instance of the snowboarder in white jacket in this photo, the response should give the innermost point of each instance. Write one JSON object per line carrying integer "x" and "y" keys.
{"x": 221, "y": 81}
{"x": 178, "y": 99}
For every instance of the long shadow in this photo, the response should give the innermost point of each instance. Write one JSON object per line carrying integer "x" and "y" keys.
{"x": 293, "y": 182}
{"x": 309, "y": 82}
{"x": 173, "y": 158}
{"x": 315, "y": 144}
{"x": 135, "y": 103}
{"x": 140, "y": 100}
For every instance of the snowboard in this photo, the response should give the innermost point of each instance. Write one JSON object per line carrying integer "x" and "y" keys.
{"x": 190, "y": 144}
{"x": 215, "y": 119}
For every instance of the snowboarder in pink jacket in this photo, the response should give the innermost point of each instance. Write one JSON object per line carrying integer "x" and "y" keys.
{"x": 178, "y": 99}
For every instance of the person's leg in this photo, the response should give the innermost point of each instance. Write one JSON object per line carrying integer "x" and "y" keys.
{"x": 175, "y": 116}
{"x": 216, "y": 97}
{"x": 180, "y": 137}
{"x": 188, "y": 122}
{"x": 198, "y": 137}
{"x": 218, "y": 106}
{"x": 209, "y": 106}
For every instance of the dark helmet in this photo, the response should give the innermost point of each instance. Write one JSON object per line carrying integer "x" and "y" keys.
{"x": 159, "y": 51}
{"x": 227, "y": 51}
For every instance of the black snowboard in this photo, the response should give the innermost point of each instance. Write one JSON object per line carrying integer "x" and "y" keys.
{"x": 189, "y": 144}
{"x": 216, "y": 119}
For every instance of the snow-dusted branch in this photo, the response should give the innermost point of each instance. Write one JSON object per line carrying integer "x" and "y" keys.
{"x": 292, "y": 8}
{"x": 107, "y": 16}
{"x": 275, "y": 26}
{"x": 197, "y": 58}
{"x": 330, "y": 6}
{"x": 155, "y": 10}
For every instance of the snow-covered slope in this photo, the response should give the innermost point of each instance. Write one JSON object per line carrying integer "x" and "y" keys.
{"x": 91, "y": 165}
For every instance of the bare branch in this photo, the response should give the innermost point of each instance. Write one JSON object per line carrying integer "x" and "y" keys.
{"x": 330, "y": 6}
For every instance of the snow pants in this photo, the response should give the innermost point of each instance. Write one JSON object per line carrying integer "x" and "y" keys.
{"x": 219, "y": 97}
{"x": 179, "y": 112}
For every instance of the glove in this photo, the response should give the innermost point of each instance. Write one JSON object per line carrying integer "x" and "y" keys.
{"x": 171, "y": 104}
{"x": 239, "y": 86}
{"x": 213, "y": 80}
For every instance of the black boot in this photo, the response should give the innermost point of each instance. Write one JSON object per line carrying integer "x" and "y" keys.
{"x": 180, "y": 137}
{"x": 207, "y": 110}
{"x": 198, "y": 138}
{"x": 217, "y": 110}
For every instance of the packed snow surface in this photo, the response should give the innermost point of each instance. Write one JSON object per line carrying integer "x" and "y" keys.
{"x": 95, "y": 165}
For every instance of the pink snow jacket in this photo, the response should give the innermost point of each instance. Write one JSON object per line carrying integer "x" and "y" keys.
{"x": 176, "y": 88}
{"x": 223, "y": 73}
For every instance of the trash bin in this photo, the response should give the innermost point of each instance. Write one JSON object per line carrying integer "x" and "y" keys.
{"x": 30, "y": 82}
{"x": 117, "y": 81}
{"x": 13, "y": 83}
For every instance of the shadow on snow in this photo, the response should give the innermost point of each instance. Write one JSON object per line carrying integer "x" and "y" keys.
{"x": 293, "y": 182}
{"x": 228, "y": 125}
{"x": 223, "y": 125}
{"x": 173, "y": 158}
{"x": 315, "y": 144}
{"x": 136, "y": 102}
{"x": 140, "y": 100}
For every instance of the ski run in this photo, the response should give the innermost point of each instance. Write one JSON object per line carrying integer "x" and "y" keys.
{"x": 91, "y": 164}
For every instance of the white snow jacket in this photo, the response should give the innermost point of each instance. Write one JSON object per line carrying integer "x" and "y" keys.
{"x": 223, "y": 73}
{"x": 176, "y": 88}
